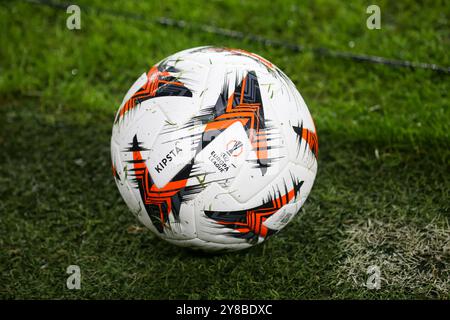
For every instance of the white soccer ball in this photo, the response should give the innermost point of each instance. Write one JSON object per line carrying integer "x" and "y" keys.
{"x": 214, "y": 149}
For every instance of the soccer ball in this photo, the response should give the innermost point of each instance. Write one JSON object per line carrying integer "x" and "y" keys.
{"x": 214, "y": 149}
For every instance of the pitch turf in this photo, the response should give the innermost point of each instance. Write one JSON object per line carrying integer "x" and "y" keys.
{"x": 381, "y": 195}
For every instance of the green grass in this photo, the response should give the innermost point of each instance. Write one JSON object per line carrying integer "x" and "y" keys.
{"x": 381, "y": 193}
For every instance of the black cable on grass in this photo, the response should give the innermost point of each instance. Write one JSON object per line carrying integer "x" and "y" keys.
{"x": 318, "y": 51}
